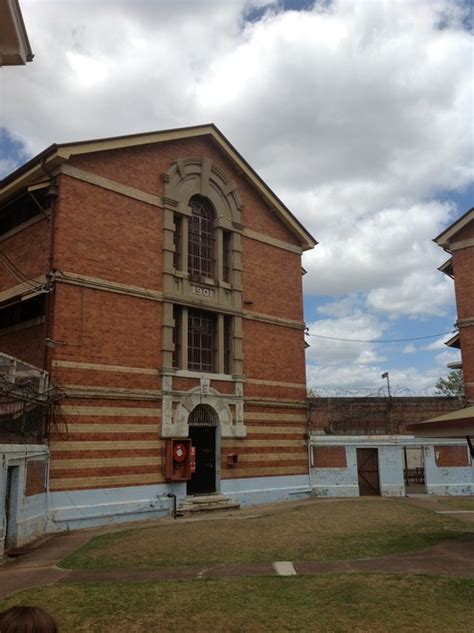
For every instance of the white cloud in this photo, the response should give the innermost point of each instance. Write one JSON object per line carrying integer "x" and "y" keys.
{"x": 378, "y": 251}
{"x": 418, "y": 293}
{"x": 409, "y": 349}
{"x": 355, "y": 325}
{"x": 360, "y": 379}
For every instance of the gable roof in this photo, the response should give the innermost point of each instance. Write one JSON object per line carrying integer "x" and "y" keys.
{"x": 445, "y": 237}
{"x": 55, "y": 154}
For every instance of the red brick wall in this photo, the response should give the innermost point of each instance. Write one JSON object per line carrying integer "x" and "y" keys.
{"x": 463, "y": 266}
{"x": 360, "y": 416}
{"x": 271, "y": 279}
{"x": 103, "y": 234}
{"x": 451, "y": 456}
{"x": 273, "y": 352}
{"x": 142, "y": 167}
{"x": 106, "y": 328}
{"x": 35, "y": 477}
{"x": 27, "y": 344}
{"x": 28, "y": 249}
{"x": 329, "y": 457}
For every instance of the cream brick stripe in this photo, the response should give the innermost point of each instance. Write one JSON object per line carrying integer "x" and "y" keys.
{"x": 261, "y": 472}
{"x": 111, "y": 185}
{"x": 100, "y": 367}
{"x": 118, "y": 390}
{"x": 275, "y": 416}
{"x": 94, "y": 445}
{"x": 64, "y": 464}
{"x": 267, "y": 457}
{"x": 262, "y": 443}
{"x": 111, "y": 428}
{"x": 276, "y": 383}
{"x": 97, "y": 283}
{"x": 271, "y": 241}
{"x": 265, "y": 401}
{"x": 90, "y": 482}
{"x": 268, "y": 318}
{"x": 276, "y": 430}
{"x": 132, "y": 412}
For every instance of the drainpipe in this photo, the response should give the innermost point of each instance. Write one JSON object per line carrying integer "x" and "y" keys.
{"x": 52, "y": 194}
{"x": 171, "y": 495}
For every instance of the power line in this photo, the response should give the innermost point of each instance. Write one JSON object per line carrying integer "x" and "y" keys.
{"x": 393, "y": 340}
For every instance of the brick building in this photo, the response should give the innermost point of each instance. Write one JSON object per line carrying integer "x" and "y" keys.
{"x": 158, "y": 280}
{"x": 458, "y": 241}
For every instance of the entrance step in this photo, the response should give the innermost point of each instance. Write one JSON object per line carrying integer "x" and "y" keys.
{"x": 207, "y": 503}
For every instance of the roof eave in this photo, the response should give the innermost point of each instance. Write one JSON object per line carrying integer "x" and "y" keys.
{"x": 444, "y": 238}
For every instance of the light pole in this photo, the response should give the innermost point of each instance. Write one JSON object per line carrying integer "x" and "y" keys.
{"x": 387, "y": 376}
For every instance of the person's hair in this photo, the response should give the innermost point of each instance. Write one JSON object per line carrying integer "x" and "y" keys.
{"x": 27, "y": 620}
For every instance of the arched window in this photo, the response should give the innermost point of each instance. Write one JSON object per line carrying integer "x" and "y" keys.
{"x": 203, "y": 415}
{"x": 201, "y": 238}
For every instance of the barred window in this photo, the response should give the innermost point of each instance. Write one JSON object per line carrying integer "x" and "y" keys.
{"x": 201, "y": 340}
{"x": 201, "y": 238}
{"x": 226, "y": 256}
{"x": 177, "y": 237}
{"x": 177, "y": 317}
{"x": 227, "y": 344}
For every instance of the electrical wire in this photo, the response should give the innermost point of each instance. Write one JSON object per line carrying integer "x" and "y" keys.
{"x": 393, "y": 340}
{"x": 16, "y": 272}
{"x": 31, "y": 285}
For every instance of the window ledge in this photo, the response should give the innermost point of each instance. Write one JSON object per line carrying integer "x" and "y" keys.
{"x": 188, "y": 373}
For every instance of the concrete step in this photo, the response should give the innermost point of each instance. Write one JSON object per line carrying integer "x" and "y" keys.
{"x": 207, "y": 503}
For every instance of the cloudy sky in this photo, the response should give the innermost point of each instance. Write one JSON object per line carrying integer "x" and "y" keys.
{"x": 356, "y": 112}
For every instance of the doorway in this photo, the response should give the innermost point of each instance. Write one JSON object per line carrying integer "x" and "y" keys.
{"x": 368, "y": 471}
{"x": 414, "y": 470}
{"x": 202, "y": 432}
{"x": 11, "y": 505}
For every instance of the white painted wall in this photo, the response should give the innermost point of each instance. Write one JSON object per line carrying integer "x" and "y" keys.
{"x": 343, "y": 482}
{"x": 30, "y": 513}
{"x": 447, "y": 481}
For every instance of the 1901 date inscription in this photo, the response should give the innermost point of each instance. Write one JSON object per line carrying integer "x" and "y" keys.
{"x": 203, "y": 292}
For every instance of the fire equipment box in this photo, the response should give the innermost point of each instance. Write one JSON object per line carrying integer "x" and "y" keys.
{"x": 177, "y": 462}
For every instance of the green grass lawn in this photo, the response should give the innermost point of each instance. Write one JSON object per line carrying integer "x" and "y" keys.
{"x": 312, "y": 531}
{"x": 330, "y": 604}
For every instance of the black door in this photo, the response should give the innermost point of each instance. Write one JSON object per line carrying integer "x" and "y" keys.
{"x": 368, "y": 471}
{"x": 203, "y": 480}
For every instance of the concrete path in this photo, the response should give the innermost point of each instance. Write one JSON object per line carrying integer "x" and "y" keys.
{"x": 38, "y": 567}
{"x": 435, "y": 504}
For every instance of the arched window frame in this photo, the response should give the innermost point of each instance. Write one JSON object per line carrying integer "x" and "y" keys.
{"x": 201, "y": 239}
{"x": 185, "y": 179}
